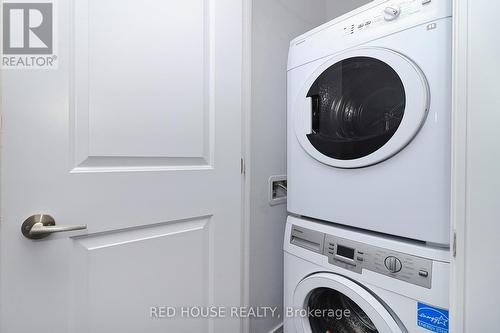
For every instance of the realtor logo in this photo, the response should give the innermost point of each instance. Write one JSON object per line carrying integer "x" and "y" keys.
{"x": 28, "y": 34}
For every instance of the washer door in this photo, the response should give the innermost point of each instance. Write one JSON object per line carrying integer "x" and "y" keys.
{"x": 361, "y": 107}
{"x": 338, "y": 304}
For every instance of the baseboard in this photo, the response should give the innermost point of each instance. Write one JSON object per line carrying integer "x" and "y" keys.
{"x": 278, "y": 329}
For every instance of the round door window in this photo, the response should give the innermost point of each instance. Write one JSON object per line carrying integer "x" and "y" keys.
{"x": 360, "y": 107}
{"x": 357, "y": 106}
{"x": 337, "y": 313}
{"x": 335, "y": 303}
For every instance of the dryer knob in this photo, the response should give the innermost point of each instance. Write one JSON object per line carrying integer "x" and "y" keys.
{"x": 391, "y": 13}
{"x": 393, "y": 264}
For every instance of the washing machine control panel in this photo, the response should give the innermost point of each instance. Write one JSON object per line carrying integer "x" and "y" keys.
{"x": 356, "y": 257}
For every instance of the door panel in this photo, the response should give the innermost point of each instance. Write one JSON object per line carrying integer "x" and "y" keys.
{"x": 130, "y": 136}
{"x": 117, "y": 283}
{"x": 152, "y": 72}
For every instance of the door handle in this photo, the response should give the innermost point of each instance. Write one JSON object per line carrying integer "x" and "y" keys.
{"x": 42, "y": 225}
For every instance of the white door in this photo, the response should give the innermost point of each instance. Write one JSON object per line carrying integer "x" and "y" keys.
{"x": 137, "y": 135}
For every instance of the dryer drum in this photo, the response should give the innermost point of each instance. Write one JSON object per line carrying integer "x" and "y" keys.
{"x": 326, "y": 299}
{"x": 358, "y": 105}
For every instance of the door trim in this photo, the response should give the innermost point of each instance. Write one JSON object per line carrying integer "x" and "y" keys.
{"x": 246, "y": 114}
{"x": 459, "y": 202}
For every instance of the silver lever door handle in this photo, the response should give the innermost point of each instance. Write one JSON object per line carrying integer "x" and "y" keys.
{"x": 42, "y": 225}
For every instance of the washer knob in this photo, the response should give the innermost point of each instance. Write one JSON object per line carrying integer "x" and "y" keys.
{"x": 392, "y": 13}
{"x": 393, "y": 264}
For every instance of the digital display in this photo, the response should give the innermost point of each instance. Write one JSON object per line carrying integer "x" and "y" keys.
{"x": 345, "y": 252}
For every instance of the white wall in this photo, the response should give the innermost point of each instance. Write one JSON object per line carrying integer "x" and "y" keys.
{"x": 336, "y": 8}
{"x": 482, "y": 229}
{"x": 274, "y": 24}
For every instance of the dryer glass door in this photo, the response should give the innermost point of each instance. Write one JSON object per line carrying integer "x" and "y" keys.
{"x": 361, "y": 107}
{"x": 358, "y": 104}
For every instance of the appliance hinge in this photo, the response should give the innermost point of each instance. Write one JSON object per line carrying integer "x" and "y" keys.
{"x": 242, "y": 166}
{"x": 454, "y": 244}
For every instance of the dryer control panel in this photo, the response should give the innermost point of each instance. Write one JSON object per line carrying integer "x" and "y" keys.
{"x": 385, "y": 14}
{"x": 356, "y": 257}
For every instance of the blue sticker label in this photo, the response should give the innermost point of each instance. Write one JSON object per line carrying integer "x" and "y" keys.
{"x": 432, "y": 318}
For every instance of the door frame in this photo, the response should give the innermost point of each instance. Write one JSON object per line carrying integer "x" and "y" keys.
{"x": 459, "y": 162}
{"x": 246, "y": 107}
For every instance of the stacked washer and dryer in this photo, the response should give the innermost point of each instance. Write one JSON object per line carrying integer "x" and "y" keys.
{"x": 369, "y": 150}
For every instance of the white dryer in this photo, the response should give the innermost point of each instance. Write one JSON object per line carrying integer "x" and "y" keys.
{"x": 338, "y": 280}
{"x": 369, "y": 108}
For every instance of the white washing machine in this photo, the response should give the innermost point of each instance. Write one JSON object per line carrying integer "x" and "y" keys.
{"x": 369, "y": 107}
{"x": 342, "y": 281}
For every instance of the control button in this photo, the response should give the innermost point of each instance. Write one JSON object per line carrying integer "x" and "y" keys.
{"x": 393, "y": 264}
{"x": 360, "y": 258}
{"x": 392, "y": 13}
{"x": 423, "y": 273}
